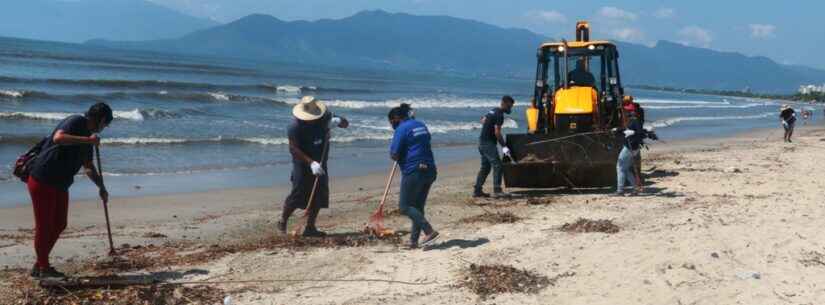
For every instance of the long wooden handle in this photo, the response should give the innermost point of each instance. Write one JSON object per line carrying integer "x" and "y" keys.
{"x": 105, "y": 205}
{"x": 317, "y": 178}
{"x": 387, "y": 188}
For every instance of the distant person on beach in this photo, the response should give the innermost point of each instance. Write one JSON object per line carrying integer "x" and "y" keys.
{"x": 580, "y": 76}
{"x": 308, "y": 136}
{"x": 69, "y": 148}
{"x": 632, "y": 137}
{"x": 411, "y": 148}
{"x": 788, "y": 117}
{"x": 491, "y": 136}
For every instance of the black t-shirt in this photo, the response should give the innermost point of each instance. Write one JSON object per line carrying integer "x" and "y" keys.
{"x": 787, "y": 115}
{"x": 579, "y": 77}
{"x": 308, "y": 137}
{"x": 58, "y": 164}
{"x": 488, "y": 131}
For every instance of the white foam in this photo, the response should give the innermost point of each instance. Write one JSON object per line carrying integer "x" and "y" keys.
{"x": 53, "y": 116}
{"x": 742, "y": 106}
{"x": 288, "y": 89}
{"x": 142, "y": 141}
{"x": 267, "y": 141}
{"x": 672, "y": 121}
{"x": 12, "y": 93}
{"x": 420, "y": 103}
{"x": 644, "y": 102}
{"x": 219, "y": 96}
{"x": 133, "y": 115}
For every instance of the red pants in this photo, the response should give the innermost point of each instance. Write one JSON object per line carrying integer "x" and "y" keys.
{"x": 51, "y": 210}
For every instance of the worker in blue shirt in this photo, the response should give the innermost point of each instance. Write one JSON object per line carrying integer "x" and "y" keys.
{"x": 411, "y": 148}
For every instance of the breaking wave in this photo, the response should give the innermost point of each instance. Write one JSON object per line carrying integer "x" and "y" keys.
{"x": 131, "y": 115}
{"x": 673, "y": 121}
{"x": 420, "y": 103}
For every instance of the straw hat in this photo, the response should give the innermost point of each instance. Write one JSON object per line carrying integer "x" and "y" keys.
{"x": 309, "y": 109}
{"x": 785, "y": 106}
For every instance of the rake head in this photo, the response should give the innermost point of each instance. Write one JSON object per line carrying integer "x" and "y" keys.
{"x": 376, "y": 227}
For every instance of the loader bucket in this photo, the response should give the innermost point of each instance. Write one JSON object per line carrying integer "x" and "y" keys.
{"x": 569, "y": 160}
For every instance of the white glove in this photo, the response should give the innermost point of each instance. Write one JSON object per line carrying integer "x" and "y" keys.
{"x": 317, "y": 169}
{"x": 649, "y": 128}
{"x": 614, "y": 130}
{"x": 629, "y": 132}
{"x": 334, "y": 122}
{"x": 784, "y": 123}
{"x": 505, "y": 151}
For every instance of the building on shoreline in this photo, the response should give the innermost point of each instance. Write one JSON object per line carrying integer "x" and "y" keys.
{"x": 810, "y": 89}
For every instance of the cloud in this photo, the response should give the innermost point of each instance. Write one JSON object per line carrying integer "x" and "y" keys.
{"x": 617, "y": 13}
{"x": 628, "y": 34}
{"x": 762, "y": 31}
{"x": 548, "y": 16}
{"x": 695, "y": 36}
{"x": 664, "y": 13}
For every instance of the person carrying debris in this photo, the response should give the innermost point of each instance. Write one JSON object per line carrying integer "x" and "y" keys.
{"x": 308, "y": 135}
{"x": 69, "y": 148}
{"x": 489, "y": 140}
{"x": 411, "y": 148}
{"x": 788, "y": 117}
{"x": 632, "y": 136}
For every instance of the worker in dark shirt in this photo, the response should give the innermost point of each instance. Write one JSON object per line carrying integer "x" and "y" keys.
{"x": 308, "y": 136}
{"x": 491, "y": 136}
{"x": 69, "y": 148}
{"x": 580, "y": 76}
{"x": 788, "y": 117}
{"x": 412, "y": 150}
{"x": 632, "y": 138}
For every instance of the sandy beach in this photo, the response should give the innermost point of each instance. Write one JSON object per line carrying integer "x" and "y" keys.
{"x": 730, "y": 220}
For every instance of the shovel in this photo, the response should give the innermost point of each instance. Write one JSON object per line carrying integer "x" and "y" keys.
{"x": 376, "y": 224}
{"x": 105, "y": 205}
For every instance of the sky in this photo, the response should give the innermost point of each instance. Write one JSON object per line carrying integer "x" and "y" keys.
{"x": 789, "y": 32}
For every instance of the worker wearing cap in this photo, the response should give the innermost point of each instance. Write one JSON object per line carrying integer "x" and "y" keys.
{"x": 788, "y": 117}
{"x": 632, "y": 138}
{"x": 308, "y": 136}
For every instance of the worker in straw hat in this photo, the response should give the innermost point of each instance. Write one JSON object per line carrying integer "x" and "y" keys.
{"x": 788, "y": 117}
{"x": 308, "y": 135}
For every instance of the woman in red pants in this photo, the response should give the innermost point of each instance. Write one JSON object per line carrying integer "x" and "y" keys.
{"x": 52, "y": 173}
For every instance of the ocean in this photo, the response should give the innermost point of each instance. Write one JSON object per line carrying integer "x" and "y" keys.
{"x": 193, "y": 123}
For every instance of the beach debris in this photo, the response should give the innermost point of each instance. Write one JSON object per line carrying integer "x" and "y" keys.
{"x": 749, "y": 275}
{"x": 487, "y": 280}
{"x": 732, "y": 170}
{"x": 24, "y": 291}
{"x": 154, "y": 235}
{"x": 493, "y": 218}
{"x": 714, "y": 255}
{"x": 584, "y": 225}
{"x": 540, "y": 200}
{"x": 138, "y": 257}
{"x": 812, "y": 259}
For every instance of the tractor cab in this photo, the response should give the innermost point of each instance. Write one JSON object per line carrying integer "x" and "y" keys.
{"x": 577, "y": 85}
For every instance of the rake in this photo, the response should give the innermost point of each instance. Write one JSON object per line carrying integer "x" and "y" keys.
{"x": 305, "y": 219}
{"x": 376, "y": 224}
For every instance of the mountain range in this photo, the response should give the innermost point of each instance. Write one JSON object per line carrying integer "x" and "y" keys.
{"x": 381, "y": 40}
{"x": 81, "y": 20}
{"x": 377, "y": 39}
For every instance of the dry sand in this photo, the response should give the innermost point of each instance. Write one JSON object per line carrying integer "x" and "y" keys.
{"x": 725, "y": 221}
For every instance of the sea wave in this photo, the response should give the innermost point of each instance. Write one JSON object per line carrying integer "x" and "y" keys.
{"x": 130, "y": 115}
{"x": 673, "y": 121}
{"x": 162, "y": 95}
{"x": 645, "y": 102}
{"x": 175, "y": 85}
{"x": 420, "y": 103}
{"x": 714, "y": 106}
